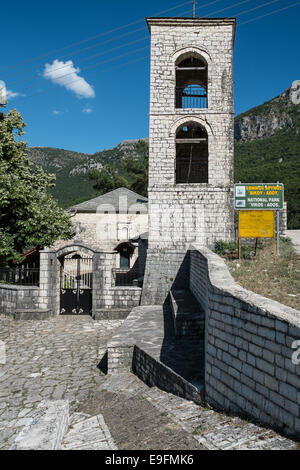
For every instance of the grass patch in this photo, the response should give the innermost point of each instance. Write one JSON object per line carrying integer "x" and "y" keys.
{"x": 197, "y": 430}
{"x": 275, "y": 277}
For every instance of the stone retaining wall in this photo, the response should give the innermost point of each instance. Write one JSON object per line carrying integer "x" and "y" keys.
{"x": 154, "y": 373}
{"x": 14, "y": 298}
{"x": 249, "y": 347}
{"x": 124, "y": 297}
{"x": 137, "y": 345}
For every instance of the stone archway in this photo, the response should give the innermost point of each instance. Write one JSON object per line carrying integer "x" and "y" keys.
{"x": 76, "y": 284}
{"x": 50, "y": 275}
{"x": 105, "y": 294}
{"x": 75, "y": 267}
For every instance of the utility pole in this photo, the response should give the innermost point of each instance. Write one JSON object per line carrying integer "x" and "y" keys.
{"x": 194, "y": 8}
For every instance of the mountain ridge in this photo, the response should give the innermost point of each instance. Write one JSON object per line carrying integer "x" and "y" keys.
{"x": 267, "y": 147}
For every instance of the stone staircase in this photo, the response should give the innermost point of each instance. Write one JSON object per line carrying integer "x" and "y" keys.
{"x": 51, "y": 428}
{"x": 87, "y": 433}
{"x": 210, "y": 428}
{"x": 188, "y": 316}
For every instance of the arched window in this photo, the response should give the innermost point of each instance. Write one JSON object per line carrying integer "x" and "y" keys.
{"x": 124, "y": 233}
{"x": 191, "y": 82}
{"x": 191, "y": 154}
{"x": 126, "y": 251}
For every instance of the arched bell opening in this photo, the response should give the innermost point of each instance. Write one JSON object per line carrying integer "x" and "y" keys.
{"x": 191, "y": 82}
{"x": 191, "y": 154}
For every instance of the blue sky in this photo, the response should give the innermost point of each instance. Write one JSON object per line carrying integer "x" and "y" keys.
{"x": 108, "y": 100}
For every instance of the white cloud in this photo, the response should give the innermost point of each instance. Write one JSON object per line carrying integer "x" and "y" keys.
{"x": 56, "y": 112}
{"x": 8, "y": 94}
{"x": 66, "y": 75}
{"x": 87, "y": 110}
{"x": 12, "y": 94}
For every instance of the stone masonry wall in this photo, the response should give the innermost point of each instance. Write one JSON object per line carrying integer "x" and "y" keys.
{"x": 249, "y": 347}
{"x": 102, "y": 231}
{"x": 164, "y": 269}
{"x": 123, "y": 297}
{"x": 155, "y": 373}
{"x": 14, "y": 298}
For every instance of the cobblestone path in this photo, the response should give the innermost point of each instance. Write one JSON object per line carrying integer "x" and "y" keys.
{"x": 58, "y": 358}
{"x": 50, "y": 359}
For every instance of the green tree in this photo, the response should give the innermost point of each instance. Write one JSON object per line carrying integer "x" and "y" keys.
{"x": 29, "y": 216}
{"x": 131, "y": 173}
{"x": 107, "y": 180}
{"x": 137, "y": 173}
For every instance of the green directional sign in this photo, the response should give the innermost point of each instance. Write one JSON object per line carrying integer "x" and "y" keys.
{"x": 256, "y": 196}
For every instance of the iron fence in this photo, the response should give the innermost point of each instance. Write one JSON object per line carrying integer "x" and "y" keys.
{"x": 126, "y": 277}
{"x": 20, "y": 275}
{"x": 191, "y": 97}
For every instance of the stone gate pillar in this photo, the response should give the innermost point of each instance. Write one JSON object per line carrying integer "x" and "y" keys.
{"x": 48, "y": 279}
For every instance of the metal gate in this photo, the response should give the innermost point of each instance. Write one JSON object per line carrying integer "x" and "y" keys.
{"x": 76, "y": 284}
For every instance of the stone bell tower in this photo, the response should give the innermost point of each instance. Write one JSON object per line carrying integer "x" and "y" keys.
{"x": 191, "y": 142}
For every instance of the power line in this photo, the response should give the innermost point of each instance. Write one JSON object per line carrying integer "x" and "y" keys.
{"x": 88, "y": 58}
{"x": 98, "y": 73}
{"x": 105, "y": 52}
{"x": 257, "y": 8}
{"x": 95, "y": 65}
{"x": 227, "y": 8}
{"x": 270, "y": 13}
{"x": 121, "y": 65}
{"x": 93, "y": 37}
{"x": 102, "y": 43}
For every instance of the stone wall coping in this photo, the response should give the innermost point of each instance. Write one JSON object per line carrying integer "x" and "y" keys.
{"x": 190, "y": 188}
{"x": 220, "y": 278}
{"x": 131, "y": 288}
{"x": 17, "y": 287}
{"x": 33, "y": 310}
{"x": 77, "y": 248}
{"x": 169, "y": 250}
{"x": 134, "y": 329}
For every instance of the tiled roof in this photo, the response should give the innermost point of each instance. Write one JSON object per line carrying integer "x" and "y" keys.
{"x": 120, "y": 200}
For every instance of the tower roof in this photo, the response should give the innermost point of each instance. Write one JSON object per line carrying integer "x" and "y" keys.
{"x": 186, "y": 21}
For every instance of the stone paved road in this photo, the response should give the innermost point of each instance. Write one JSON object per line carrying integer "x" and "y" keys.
{"x": 58, "y": 358}
{"x": 50, "y": 359}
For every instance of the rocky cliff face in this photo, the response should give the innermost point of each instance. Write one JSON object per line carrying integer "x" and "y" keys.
{"x": 266, "y": 120}
{"x": 76, "y": 163}
{"x": 256, "y": 127}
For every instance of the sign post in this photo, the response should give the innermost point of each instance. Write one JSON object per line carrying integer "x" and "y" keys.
{"x": 277, "y": 232}
{"x": 258, "y": 206}
{"x": 253, "y": 196}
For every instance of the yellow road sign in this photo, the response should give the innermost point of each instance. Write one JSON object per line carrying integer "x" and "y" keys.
{"x": 256, "y": 224}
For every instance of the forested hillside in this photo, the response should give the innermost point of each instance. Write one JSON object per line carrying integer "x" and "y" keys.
{"x": 267, "y": 149}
